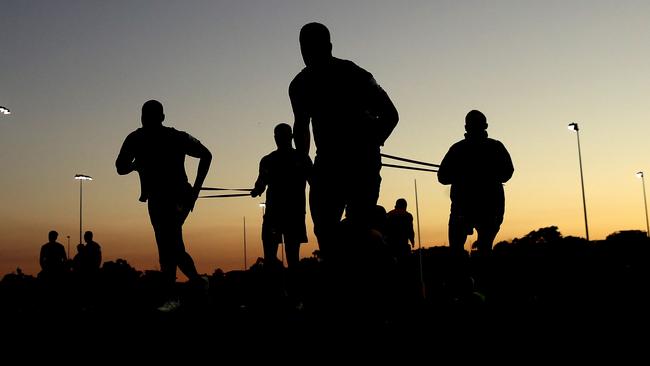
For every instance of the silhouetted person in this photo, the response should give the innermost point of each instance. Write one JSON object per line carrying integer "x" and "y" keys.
{"x": 351, "y": 117}
{"x": 400, "y": 236}
{"x": 158, "y": 153}
{"x": 285, "y": 173}
{"x": 53, "y": 258}
{"x": 89, "y": 255}
{"x": 476, "y": 168}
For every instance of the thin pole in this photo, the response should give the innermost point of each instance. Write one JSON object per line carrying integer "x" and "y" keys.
{"x": 245, "y": 260}
{"x": 582, "y": 183}
{"x": 645, "y": 205}
{"x": 417, "y": 215}
{"x": 68, "y": 246}
{"x": 81, "y": 184}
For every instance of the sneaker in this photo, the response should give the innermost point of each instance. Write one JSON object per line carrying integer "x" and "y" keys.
{"x": 169, "y": 306}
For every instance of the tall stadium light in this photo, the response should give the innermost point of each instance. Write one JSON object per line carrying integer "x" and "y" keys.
{"x": 81, "y": 178}
{"x": 645, "y": 203}
{"x": 573, "y": 126}
{"x": 5, "y": 111}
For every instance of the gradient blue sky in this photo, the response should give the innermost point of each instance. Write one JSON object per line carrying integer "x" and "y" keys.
{"x": 75, "y": 74}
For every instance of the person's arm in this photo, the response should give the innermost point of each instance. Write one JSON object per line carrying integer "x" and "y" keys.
{"x": 506, "y": 168}
{"x": 387, "y": 115}
{"x": 197, "y": 150}
{"x": 411, "y": 231}
{"x": 125, "y": 162}
{"x": 260, "y": 183}
{"x": 98, "y": 264}
{"x": 42, "y": 258}
{"x": 445, "y": 171}
{"x": 301, "y": 118}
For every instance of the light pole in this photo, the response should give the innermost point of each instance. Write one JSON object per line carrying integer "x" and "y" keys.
{"x": 645, "y": 203}
{"x": 81, "y": 178}
{"x": 573, "y": 126}
{"x": 4, "y": 110}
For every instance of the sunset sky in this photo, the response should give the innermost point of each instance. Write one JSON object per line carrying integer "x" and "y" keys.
{"x": 76, "y": 73}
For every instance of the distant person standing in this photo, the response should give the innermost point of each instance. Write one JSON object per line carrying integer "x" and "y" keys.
{"x": 476, "y": 167}
{"x": 285, "y": 173}
{"x": 90, "y": 254}
{"x": 400, "y": 236}
{"x": 351, "y": 118}
{"x": 158, "y": 153}
{"x": 53, "y": 258}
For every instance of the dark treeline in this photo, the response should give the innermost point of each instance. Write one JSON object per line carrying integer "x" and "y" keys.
{"x": 542, "y": 272}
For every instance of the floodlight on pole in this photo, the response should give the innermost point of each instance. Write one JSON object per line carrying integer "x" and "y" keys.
{"x": 573, "y": 126}
{"x": 645, "y": 202}
{"x": 81, "y": 178}
{"x": 5, "y": 111}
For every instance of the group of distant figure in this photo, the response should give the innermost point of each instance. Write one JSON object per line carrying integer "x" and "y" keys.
{"x": 351, "y": 117}
{"x": 55, "y": 263}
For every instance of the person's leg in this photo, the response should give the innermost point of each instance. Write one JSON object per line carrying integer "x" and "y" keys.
{"x": 168, "y": 227}
{"x": 362, "y": 193}
{"x": 326, "y": 205}
{"x": 292, "y": 248}
{"x": 458, "y": 232}
{"x": 161, "y": 216}
{"x": 270, "y": 241}
{"x": 487, "y": 232}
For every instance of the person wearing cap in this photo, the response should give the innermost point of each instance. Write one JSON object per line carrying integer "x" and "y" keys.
{"x": 476, "y": 167}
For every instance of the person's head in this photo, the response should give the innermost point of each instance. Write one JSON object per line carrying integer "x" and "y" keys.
{"x": 475, "y": 121}
{"x": 152, "y": 114}
{"x": 400, "y": 204}
{"x": 88, "y": 236}
{"x": 315, "y": 44}
{"x": 282, "y": 134}
{"x": 52, "y": 235}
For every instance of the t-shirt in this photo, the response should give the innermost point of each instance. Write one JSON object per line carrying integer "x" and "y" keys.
{"x": 341, "y": 100}
{"x": 159, "y": 155}
{"x": 476, "y": 168}
{"x": 285, "y": 173}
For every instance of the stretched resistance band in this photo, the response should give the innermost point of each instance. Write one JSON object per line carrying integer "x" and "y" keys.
{"x": 227, "y": 195}
{"x": 409, "y": 160}
{"x": 226, "y": 189}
